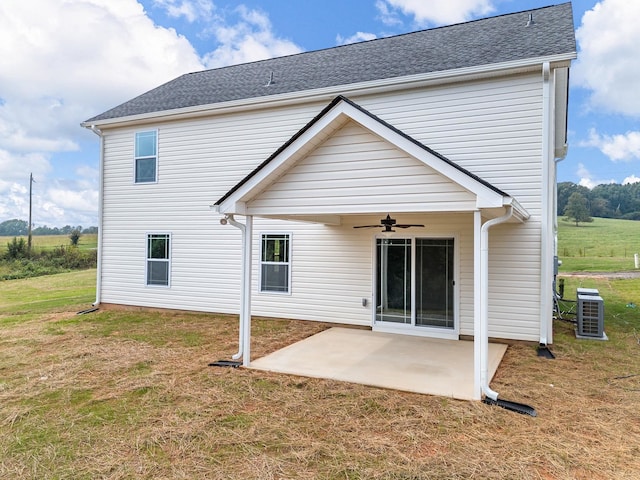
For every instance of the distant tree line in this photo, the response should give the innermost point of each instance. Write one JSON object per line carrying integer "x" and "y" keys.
{"x": 17, "y": 228}
{"x": 606, "y": 201}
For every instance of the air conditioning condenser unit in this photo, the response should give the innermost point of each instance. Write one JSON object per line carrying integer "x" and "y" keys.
{"x": 590, "y": 317}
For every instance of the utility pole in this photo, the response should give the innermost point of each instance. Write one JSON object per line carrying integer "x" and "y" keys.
{"x": 30, "y": 203}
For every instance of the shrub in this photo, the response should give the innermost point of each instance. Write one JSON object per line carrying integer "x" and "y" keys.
{"x": 74, "y": 236}
{"x": 16, "y": 248}
{"x": 46, "y": 262}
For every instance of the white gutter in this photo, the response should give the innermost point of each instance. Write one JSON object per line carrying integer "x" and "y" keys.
{"x": 484, "y": 301}
{"x": 244, "y": 335}
{"x": 98, "y": 132}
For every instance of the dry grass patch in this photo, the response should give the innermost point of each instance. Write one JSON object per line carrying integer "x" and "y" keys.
{"x": 128, "y": 394}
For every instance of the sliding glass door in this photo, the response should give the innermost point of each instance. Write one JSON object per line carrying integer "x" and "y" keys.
{"x": 434, "y": 282}
{"x": 415, "y": 282}
{"x": 393, "y": 295}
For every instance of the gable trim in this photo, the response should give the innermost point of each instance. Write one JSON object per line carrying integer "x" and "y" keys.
{"x": 339, "y": 110}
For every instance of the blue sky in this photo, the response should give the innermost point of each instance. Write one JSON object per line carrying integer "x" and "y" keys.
{"x": 63, "y": 61}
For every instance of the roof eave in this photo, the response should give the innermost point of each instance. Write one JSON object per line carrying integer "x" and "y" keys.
{"x": 363, "y": 88}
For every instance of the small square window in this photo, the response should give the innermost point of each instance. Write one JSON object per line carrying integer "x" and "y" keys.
{"x": 146, "y": 157}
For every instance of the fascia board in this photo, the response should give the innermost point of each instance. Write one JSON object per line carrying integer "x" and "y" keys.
{"x": 231, "y": 207}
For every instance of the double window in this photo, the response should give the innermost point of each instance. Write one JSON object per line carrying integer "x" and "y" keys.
{"x": 146, "y": 157}
{"x": 275, "y": 266}
{"x": 158, "y": 258}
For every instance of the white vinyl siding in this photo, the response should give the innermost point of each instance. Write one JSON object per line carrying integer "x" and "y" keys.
{"x": 491, "y": 127}
{"x": 355, "y": 171}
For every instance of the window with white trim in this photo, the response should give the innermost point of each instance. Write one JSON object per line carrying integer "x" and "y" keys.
{"x": 158, "y": 259}
{"x": 275, "y": 266}
{"x": 146, "y": 157}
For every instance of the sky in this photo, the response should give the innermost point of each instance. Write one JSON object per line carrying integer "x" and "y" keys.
{"x": 64, "y": 61}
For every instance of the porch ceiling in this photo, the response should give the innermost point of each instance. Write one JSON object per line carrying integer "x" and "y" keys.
{"x": 400, "y": 362}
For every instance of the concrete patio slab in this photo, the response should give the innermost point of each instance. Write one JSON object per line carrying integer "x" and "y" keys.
{"x": 399, "y": 362}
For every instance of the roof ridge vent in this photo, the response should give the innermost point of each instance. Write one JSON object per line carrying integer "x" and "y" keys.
{"x": 530, "y": 20}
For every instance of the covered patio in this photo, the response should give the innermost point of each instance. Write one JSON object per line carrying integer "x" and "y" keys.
{"x": 387, "y": 360}
{"x": 303, "y": 181}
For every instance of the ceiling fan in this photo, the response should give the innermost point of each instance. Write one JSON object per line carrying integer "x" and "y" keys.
{"x": 388, "y": 224}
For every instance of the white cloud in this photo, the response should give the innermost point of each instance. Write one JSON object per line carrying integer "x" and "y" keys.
{"x": 36, "y": 163}
{"x": 387, "y": 15}
{"x": 55, "y": 201}
{"x": 191, "y": 10}
{"x": 618, "y": 147}
{"x": 434, "y": 12}
{"x": 631, "y": 179}
{"x": 608, "y": 62}
{"x": 55, "y": 63}
{"x": 587, "y": 179}
{"x": 248, "y": 40}
{"x": 64, "y": 61}
{"x": 357, "y": 37}
{"x": 83, "y": 201}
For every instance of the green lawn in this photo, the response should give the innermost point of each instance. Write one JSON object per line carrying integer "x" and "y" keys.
{"x": 604, "y": 245}
{"x": 25, "y": 299}
{"x": 128, "y": 393}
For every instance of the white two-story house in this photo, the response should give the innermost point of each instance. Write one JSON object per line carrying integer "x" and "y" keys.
{"x": 271, "y": 188}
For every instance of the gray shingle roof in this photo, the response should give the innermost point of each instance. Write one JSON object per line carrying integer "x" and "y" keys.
{"x": 497, "y": 39}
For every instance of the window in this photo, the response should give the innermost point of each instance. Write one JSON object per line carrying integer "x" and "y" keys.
{"x": 146, "y": 157}
{"x": 158, "y": 258}
{"x": 275, "y": 269}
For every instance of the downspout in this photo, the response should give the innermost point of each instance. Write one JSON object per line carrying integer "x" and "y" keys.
{"x": 491, "y": 397}
{"x": 546, "y": 247}
{"x": 244, "y": 334}
{"x": 484, "y": 301}
{"x": 98, "y": 132}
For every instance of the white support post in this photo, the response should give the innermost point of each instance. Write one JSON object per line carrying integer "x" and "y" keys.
{"x": 477, "y": 288}
{"x": 246, "y": 286}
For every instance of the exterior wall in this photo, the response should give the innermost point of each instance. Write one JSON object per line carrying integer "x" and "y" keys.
{"x": 492, "y": 128}
{"x": 198, "y": 161}
{"x": 332, "y": 268}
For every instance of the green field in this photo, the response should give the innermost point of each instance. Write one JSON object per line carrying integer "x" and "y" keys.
{"x": 50, "y": 254}
{"x": 602, "y": 246}
{"x": 44, "y": 242}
